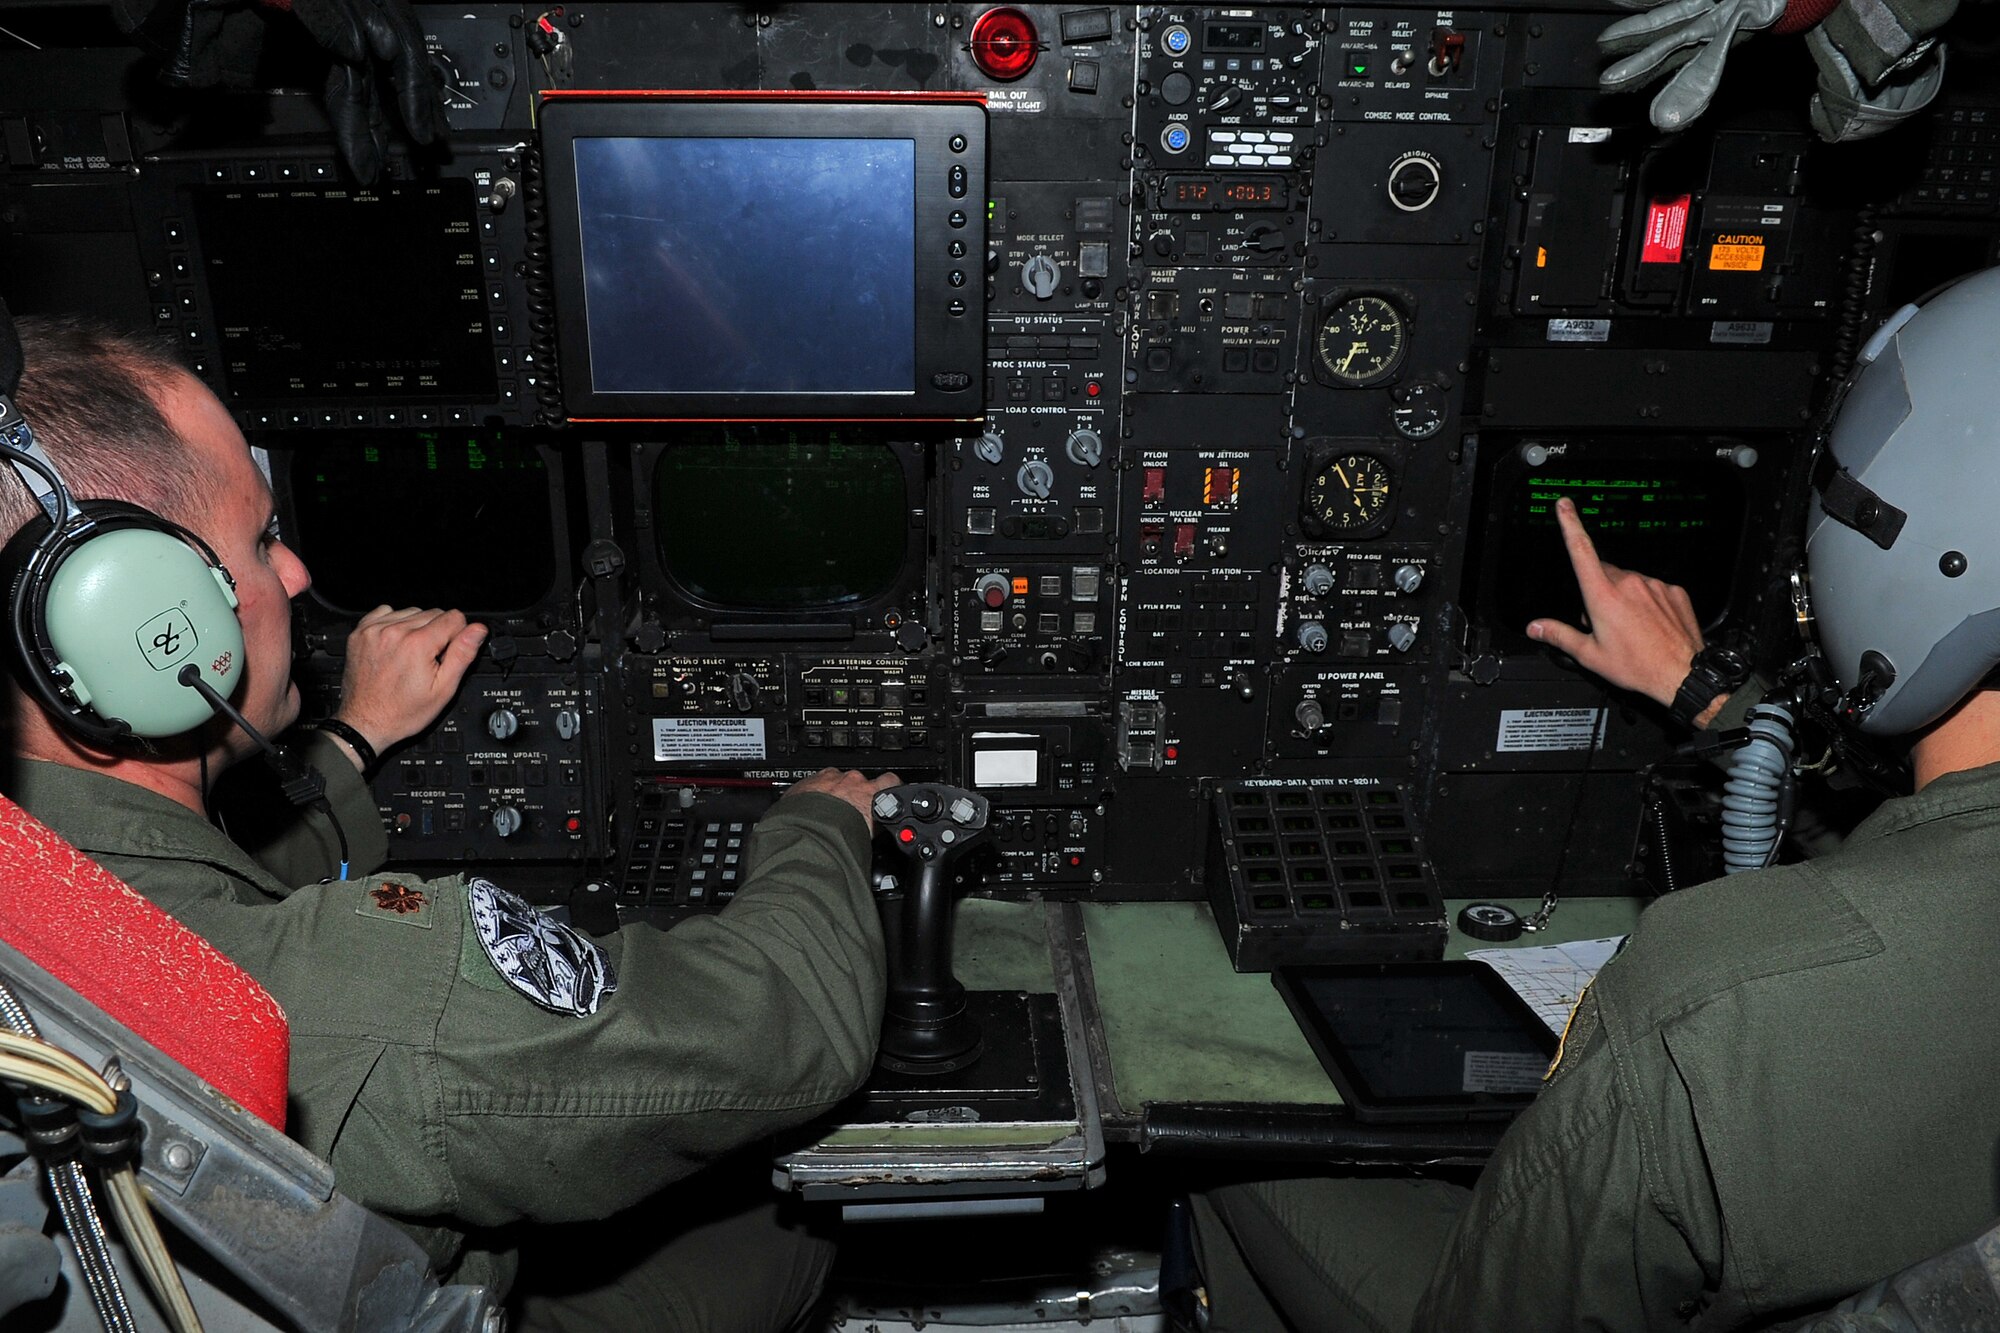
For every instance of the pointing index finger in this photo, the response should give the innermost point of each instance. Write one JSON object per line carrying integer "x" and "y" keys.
{"x": 1582, "y": 551}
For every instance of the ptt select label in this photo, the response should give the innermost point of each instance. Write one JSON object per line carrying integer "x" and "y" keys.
{"x": 681, "y": 739}
{"x": 1542, "y": 729}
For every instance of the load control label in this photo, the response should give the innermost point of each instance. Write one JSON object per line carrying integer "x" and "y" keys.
{"x": 1542, "y": 729}
{"x": 689, "y": 738}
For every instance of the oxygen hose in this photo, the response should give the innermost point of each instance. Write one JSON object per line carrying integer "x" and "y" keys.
{"x": 1759, "y": 773}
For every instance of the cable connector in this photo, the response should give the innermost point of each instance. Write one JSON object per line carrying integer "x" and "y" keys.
{"x": 49, "y": 1126}
{"x": 303, "y": 785}
{"x": 1709, "y": 743}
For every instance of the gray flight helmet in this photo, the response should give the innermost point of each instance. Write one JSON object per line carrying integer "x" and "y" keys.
{"x": 1903, "y": 544}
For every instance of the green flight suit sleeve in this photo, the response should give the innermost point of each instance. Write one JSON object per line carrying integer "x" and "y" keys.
{"x": 439, "y": 1092}
{"x": 724, "y": 1030}
{"x": 304, "y": 847}
{"x": 1595, "y": 1213}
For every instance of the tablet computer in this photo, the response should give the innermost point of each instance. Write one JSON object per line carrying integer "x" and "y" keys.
{"x": 1417, "y": 1042}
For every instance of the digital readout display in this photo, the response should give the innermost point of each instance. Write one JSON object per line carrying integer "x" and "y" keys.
{"x": 1233, "y": 37}
{"x": 1222, "y": 194}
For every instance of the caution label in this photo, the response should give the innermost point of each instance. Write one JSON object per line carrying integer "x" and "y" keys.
{"x": 686, "y": 738}
{"x": 1737, "y": 252}
{"x": 1543, "y": 729}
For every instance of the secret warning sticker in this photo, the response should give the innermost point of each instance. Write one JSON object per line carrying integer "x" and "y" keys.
{"x": 1666, "y": 230}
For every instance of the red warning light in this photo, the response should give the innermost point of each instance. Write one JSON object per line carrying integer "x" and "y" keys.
{"x": 1004, "y": 43}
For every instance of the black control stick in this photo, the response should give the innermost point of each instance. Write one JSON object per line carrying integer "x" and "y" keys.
{"x": 926, "y": 1029}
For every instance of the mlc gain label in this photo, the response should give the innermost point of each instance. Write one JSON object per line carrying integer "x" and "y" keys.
{"x": 685, "y": 738}
{"x": 1524, "y": 729}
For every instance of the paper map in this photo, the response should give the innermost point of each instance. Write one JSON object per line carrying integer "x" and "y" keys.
{"x": 1550, "y": 976}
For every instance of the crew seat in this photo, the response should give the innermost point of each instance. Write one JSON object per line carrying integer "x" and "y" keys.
{"x": 104, "y": 974}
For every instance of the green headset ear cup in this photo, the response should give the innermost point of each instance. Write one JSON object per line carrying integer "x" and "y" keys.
{"x": 125, "y": 609}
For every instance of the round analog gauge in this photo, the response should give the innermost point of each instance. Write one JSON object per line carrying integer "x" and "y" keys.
{"x": 1419, "y": 410}
{"x": 1362, "y": 341}
{"x": 1347, "y": 494}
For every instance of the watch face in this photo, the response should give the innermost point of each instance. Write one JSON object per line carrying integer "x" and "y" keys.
{"x": 1724, "y": 662}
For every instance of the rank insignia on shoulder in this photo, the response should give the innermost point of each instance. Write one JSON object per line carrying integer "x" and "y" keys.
{"x": 555, "y": 965}
{"x": 387, "y": 900}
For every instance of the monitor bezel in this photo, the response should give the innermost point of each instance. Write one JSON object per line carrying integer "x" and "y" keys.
{"x": 950, "y": 321}
{"x": 1500, "y": 461}
{"x": 693, "y": 624}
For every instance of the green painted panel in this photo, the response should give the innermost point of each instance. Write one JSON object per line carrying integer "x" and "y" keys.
{"x": 1002, "y": 946}
{"x": 1183, "y": 1026}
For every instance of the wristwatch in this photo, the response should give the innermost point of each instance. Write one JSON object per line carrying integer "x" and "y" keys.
{"x": 1715, "y": 670}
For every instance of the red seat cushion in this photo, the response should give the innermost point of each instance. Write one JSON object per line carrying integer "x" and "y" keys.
{"x": 81, "y": 924}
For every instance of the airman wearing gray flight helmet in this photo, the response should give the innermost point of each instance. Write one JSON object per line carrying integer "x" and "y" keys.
{"x": 1782, "y": 1090}
{"x": 1903, "y": 549}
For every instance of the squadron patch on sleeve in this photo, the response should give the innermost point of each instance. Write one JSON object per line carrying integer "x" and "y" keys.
{"x": 552, "y": 964}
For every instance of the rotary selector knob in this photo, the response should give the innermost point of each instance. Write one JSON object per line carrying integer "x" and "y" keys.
{"x": 1312, "y": 636}
{"x": 1534, "y": 455}
{"x": 1402, "y": 636}
{"x": 1414, "y": 182}
{"x": 1085, "y": 446}
{"x": 1318, "y": 580}
{"x": 569, "y": 723}
{"x": 502, "y": 723}
{"x": 507, "y": 820}
{"x": 1040, "y": 276}
{"x": 1035, "y": 479}
{"x": 990, "y": 447}
{"x": 1407, "y": 578}
{"x": 743, "y": 691}
{"x": 1309, "y": 715}
{"x": 991, "y": 590}
{"x": 924, "y": 806}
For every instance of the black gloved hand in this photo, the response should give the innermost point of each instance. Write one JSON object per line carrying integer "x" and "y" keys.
{"x": 358, "y": 34}
{"x": 210, "y": 42}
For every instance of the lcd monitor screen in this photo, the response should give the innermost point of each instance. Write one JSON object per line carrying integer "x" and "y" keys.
{"x": 781, "y": 519}
{"x": 1677, "y": 521}
{"x": 358, "y": 295}
{"x": 446, "y": 520}
{"x": 774, "y": 266}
